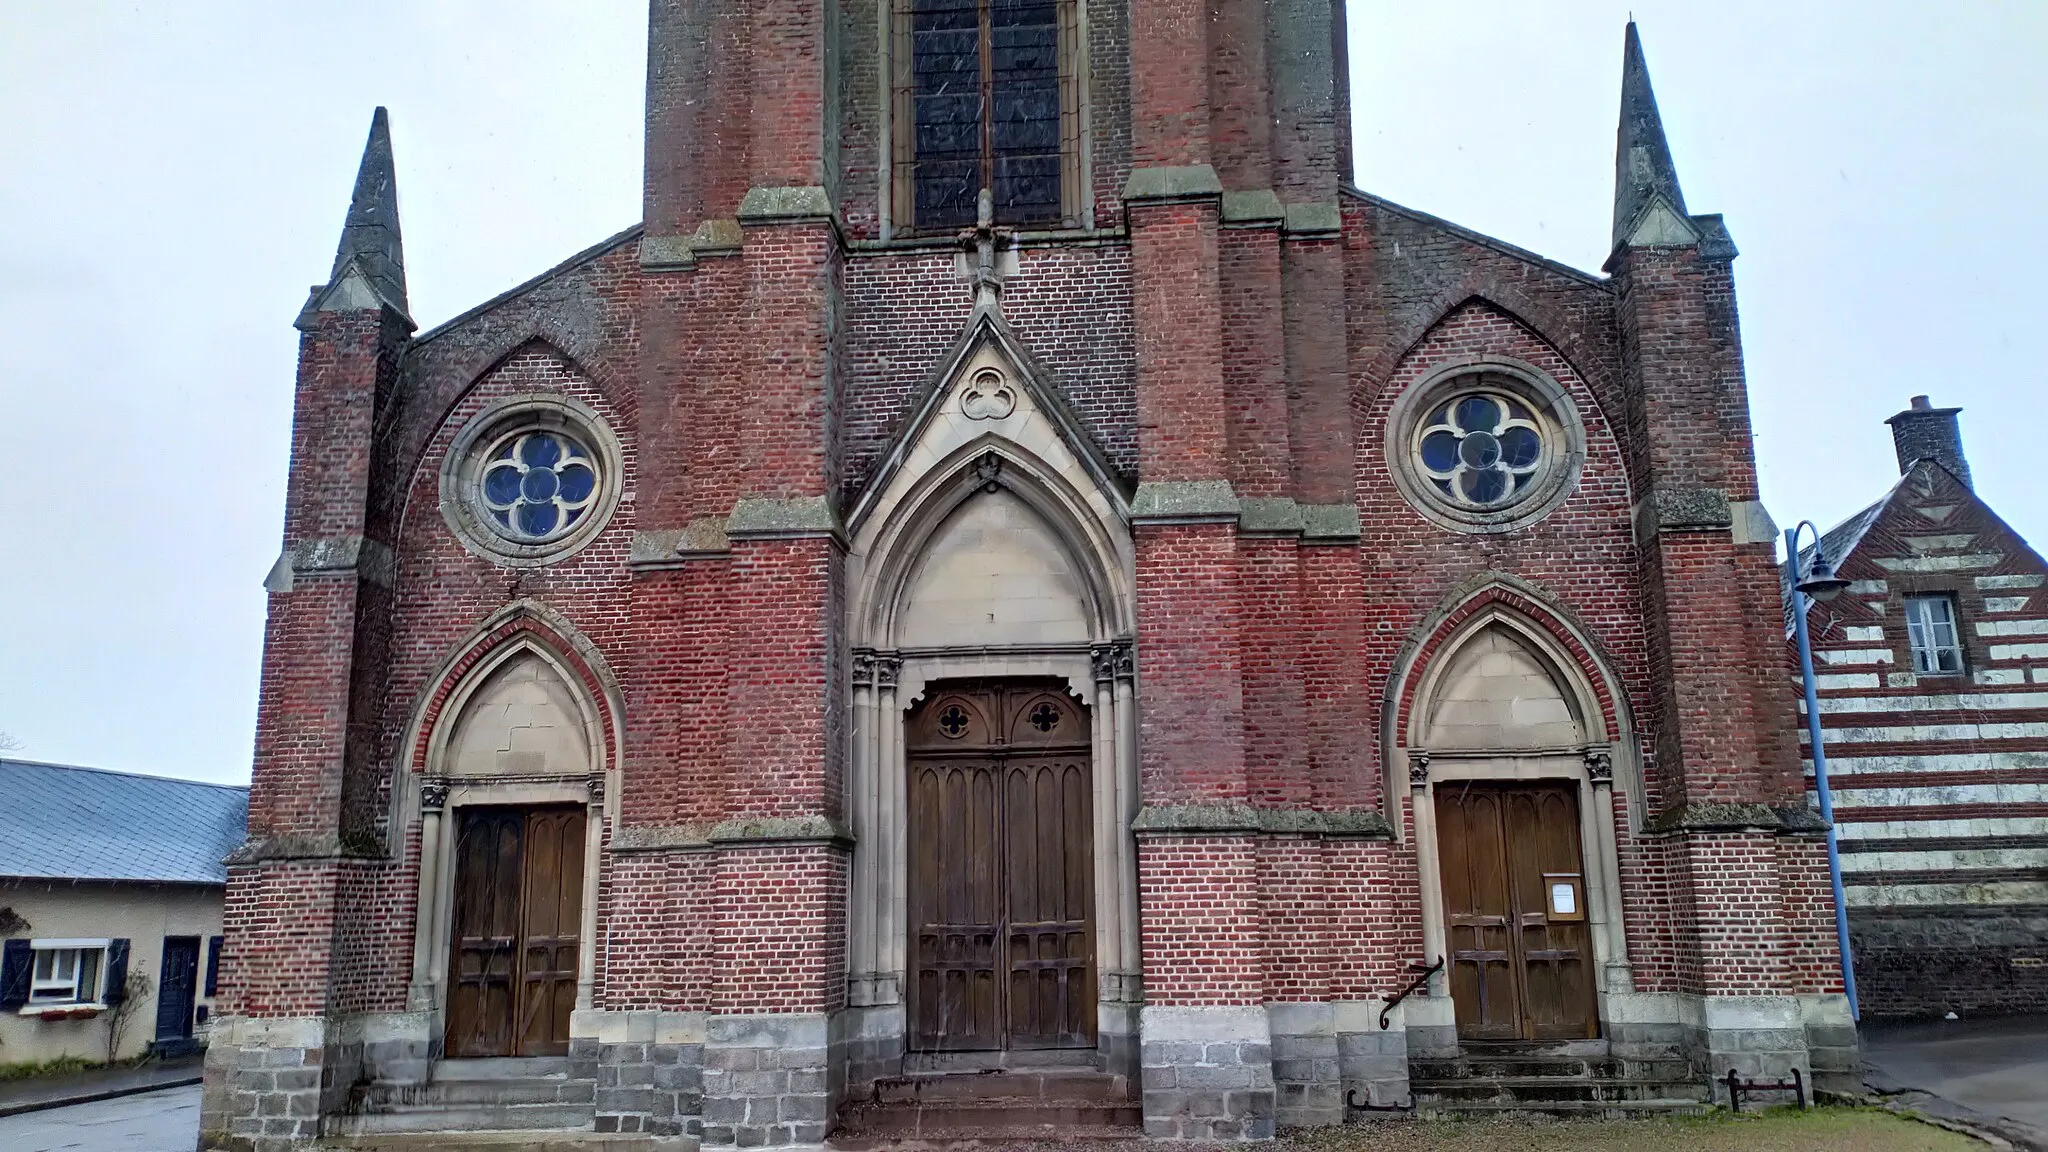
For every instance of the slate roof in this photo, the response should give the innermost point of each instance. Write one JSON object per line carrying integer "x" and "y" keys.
{"x": 66, "y": 823}
{"x": 1839, "y": 542}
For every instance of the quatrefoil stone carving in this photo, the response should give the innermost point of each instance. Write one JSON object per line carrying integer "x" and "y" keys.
{"x": 987, "y": 396}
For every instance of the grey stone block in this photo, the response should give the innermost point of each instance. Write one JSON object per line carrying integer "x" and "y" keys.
{"x": 732, "y": 1059}
{"x": 1293, "y": 1047}
{"x": 798, "y": 1058}
{"x": 773, "y": 1083}
{"x": 1216, "y": 1077}
{"x": 1173, "y": 1053}
{"x": 717, "y": 1134}
{"x": 802, "y": 1108}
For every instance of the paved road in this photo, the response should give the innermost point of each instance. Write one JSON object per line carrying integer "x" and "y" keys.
{"x": 1995, "y": 1067}
{"x": 165, "y": 1121}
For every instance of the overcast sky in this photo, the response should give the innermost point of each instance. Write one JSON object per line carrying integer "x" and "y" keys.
{"x": 174, "y": 176}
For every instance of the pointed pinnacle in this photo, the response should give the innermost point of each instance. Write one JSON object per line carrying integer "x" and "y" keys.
{"x": 1642, "y": 158}
{"x": 370, "y": 237}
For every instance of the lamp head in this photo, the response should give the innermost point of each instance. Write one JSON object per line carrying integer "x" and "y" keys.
{"x": 1821, "y": 583}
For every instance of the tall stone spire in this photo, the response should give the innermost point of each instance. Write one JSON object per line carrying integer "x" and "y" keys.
{"x": 370, "y": 237}
{"x": 1643, "y": 172}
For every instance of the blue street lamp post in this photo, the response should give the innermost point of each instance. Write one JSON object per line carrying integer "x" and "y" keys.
{"x": 1821, "y": 583}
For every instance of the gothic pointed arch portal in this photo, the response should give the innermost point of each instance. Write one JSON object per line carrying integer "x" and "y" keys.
{"x": 515, "y": 748}
{"x": 993, "y": 743}
{"x": 1511, "y": 793}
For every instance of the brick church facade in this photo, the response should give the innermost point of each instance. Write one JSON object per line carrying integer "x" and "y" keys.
{"x": 1016, "y": 567}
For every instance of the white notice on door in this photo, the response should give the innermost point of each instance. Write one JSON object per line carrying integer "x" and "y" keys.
{"x": 1564, "y": 900}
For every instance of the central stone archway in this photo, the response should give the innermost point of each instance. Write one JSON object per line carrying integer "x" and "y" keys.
{"x": 992, "y": 558}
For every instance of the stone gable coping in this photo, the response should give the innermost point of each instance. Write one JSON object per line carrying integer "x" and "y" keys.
{"x": 1331, "y": 523}
{"x": 1188, "y": 182}
{"x": 1796, "y": 819}
{"x": 1318, "y": 219}
{"x": 781, "y": 830}
{"x": 1184, "y": 502}
{"x": 671, "y": 838}
{"x": 1256, "y": 206}
{"x": 785, "y": 205}
{"x": 766, "y": 518}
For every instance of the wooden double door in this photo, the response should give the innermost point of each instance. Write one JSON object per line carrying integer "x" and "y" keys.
{"x": 1002, "y": 868}
{"x": 1521, "y": 958}
{"x": 517, "y": 916}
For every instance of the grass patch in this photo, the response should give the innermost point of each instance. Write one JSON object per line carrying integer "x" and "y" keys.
{"x": 64, "y": 1066}
{"x": 61, "y": 1066}
{"x": 1830, "y": 1129}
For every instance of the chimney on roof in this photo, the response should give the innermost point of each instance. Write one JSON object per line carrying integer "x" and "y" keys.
{"x": 1924, "y": 432}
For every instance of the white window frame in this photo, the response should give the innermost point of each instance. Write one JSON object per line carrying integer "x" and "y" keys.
{"x": 1934, "y": 635}
{"x": 54, "y": 992}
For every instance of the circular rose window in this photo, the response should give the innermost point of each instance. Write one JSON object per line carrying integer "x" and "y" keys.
{"x": 530, "y": 480}
{"x": 538, "y": 484}
{"x": 1480, "y": 449}
{"x": 1484, "y": 448}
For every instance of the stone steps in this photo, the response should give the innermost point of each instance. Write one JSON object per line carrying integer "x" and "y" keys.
{"x": 1576, "y": 1109}
{"x": 533, "y": 1094}
{"x": 1556, "y": 1089}
{"x": 1074, "y": 1085}
{"x": 1573, "y": 1078}
{"x": 1037, "y": 1103}
{"x": 526, "y": 1140}
{"x": 440, "y": 1118}
{"x": 1029, "y": 1059}
{"x": 995, "y": 1138}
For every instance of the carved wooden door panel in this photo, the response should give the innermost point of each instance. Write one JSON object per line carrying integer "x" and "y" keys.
{"x": 551, "y": 915}
{"x": 1552, "y": 940}
{"x": 1514, "y": 910}
{"x": 1002, "y": 869}
{"x": 517, "y": 921}
{"x": 1476, "y": 913}
{"x": 483, "y": 984}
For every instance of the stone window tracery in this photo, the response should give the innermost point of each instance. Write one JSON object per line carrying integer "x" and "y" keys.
{"x": 538, "y": 484}
{"x": 1484, "y": 447}
{"x": 531, "y": 480}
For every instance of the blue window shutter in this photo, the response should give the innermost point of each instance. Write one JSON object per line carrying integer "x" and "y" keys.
{"x": 17, "y": 961}
{"x": 213, "y": 966}
{"x": 115, "y": 989}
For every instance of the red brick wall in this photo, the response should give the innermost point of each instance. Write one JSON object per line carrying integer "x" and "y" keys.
{"x": 1202, "y": 937}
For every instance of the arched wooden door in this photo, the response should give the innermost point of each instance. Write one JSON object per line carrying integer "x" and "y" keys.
{"x": 1002, "y": 868}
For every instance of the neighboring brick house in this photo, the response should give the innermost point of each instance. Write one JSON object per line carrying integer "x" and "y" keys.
{"x": 1014, "y": 594}
{"x": 110, "y": 910}
{"x": 1932, "y": 671}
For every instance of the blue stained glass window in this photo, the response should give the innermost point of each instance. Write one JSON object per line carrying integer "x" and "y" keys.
{"x": 1440, "y": 451}
{"x": 1478, "y": 414}
{"x": 501, "y": 484}
{"x": 577, "y": 482}
{"x": 1481, "y": 449}
{"x": 537, "y": 519}
{"x": 538, "y": 485}
{"x": 1486, "y": 487}
{"x": 540, "y": 451}
{"x": 1520, "y": 447}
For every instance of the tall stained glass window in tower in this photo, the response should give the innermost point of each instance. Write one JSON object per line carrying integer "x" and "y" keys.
{"x": 985, "y": 98}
